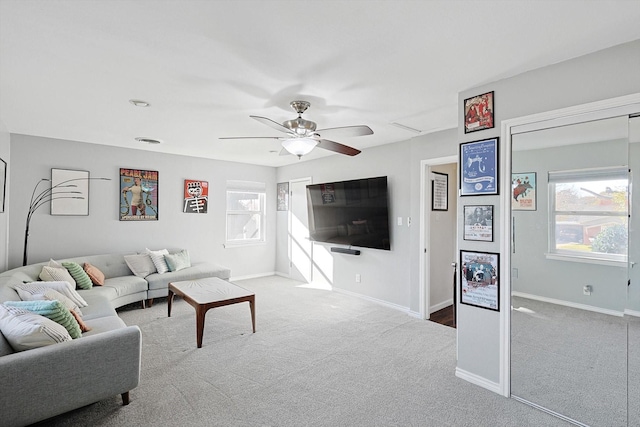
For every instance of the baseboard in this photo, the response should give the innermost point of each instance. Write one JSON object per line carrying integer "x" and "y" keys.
{"x": 440, "y": 306}
{"x": 278, "y": 273}
{"x": 633, "y": 313}
{"x": 406, "y": 310}
{"x": 253, "y": 276}
{"x": 570, "y": 304}
{"x": 478, "y": 380}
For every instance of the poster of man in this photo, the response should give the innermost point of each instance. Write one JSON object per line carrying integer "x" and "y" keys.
{"x": 196, "y": 196}
{"x": 138, "y": 195}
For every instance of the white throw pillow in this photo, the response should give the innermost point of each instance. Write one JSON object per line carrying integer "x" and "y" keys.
{"x": 25, "y": 330}
{"x": 140, "y": 265}
{"x": 39, "y": 288}
{"x": 56, "y": 274}
{"x": 158, "y": 260}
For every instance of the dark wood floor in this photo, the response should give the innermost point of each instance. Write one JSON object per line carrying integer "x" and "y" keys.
{"x": 444, "y": 317}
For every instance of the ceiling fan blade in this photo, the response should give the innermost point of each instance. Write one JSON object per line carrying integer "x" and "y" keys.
{"x": 250, "y": 137}
{"x": 345, "y": 132}
{"x": 337, "y": 147}
{"x": 272, "y": 124}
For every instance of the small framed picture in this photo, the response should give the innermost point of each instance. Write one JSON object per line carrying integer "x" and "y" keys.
{"x": 69, "y": 192}
{"x": 196, "y": 196}
{"x": 478, "y": 112}
{"x": 479, "y": 281}
{"x": 524, "y": 189}
{"x": 439, "y": 191}
{"x": 283, "y": 196}
{"x": 478, "y": 223}
{"x": 138, "y": 195}
{"x": 479, "y": 167}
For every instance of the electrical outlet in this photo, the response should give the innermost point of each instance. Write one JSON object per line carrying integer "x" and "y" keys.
{"x": 358, "y": 278}
{"x": 586, "y": 290}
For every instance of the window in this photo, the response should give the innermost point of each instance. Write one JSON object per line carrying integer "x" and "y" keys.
{"x": 245, "y": 212}
{"x": 589, "y": 211}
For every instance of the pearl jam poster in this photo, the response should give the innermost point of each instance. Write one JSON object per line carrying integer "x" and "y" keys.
{"x": 479, "y": 167}
{"x": 479, "y": 284}
{"x": 138, "y": 195}
{"x": 196, "y": 196}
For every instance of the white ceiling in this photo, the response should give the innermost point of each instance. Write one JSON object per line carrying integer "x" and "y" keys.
{"x": 69, "y": 68}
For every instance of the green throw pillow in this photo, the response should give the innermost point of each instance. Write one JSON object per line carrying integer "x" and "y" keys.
{"x": 83, "y": 281}
{"x": 53, "y": 310}
{"x": 178, "y": 261}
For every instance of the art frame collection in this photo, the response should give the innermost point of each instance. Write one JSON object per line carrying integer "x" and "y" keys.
{"x": 138, "y": 195}
{"x": 479, "y": 279}
{"x": 478, "y": 222}
{"x": 479, "y": 167}
{"x": 479, "y": 113}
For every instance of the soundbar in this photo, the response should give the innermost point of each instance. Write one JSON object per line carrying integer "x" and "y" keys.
{"x": 345, "y": 251}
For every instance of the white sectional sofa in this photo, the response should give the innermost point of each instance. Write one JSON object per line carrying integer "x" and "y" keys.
{"x": 44, "y": 382}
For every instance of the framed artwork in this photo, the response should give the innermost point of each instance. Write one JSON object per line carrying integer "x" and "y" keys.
{"x": 69, "y": 192}
{"x": 479, "y": 167}
{"x": 283, "y": 196}
{"x": 524, "y": 189}
{"x": 328, "y": 194}
{"x": 478, "y": 112}
{"x": 138, "y": 195}
{"x": 3, "y": 183}
{"x": 478, "y": 223}
{"x": 439, "y": 192}
{"x": 479, "y": 281}
{"x": 196, "y": 196}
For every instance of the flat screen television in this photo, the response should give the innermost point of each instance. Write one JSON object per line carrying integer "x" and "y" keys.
{"x": 354, "y": 213}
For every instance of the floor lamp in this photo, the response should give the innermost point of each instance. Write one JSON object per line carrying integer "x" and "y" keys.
{"x": 46, "y": 196}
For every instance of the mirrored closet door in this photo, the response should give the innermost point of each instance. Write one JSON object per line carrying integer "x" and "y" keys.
{"x": 573, "y": 317}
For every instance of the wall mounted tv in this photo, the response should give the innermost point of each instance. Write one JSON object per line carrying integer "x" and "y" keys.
{"x": 354, "y": 213}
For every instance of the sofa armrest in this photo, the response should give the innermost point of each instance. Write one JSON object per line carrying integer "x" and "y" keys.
{"x": 47, "y": 381}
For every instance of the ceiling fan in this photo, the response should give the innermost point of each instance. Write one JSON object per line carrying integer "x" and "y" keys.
{"x": 302, "y": 135}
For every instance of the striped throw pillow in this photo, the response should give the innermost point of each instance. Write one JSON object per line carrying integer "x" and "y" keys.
{"x": 83, "y": 281}
{"x": 25, "y": 330}
{"x": 158, "y": 260}
{"x": 39, "y": 288}
{"x": 53, "y": 310}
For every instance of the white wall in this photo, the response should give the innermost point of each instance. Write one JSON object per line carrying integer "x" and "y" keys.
{"x": 4, "y": 216}
{"x": 602, "y": 75}
{"x": 101, "y": 232}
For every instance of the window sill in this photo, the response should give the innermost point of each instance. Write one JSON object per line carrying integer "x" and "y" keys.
{"x": 586, "y": 260}
{"x": 228, "y": 245}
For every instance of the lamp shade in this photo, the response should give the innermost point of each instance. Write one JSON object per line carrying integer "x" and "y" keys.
{"x": 299, "y": 146}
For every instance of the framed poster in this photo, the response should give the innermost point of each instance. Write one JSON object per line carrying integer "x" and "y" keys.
{"x": 69, "y": 192}
{"x": 439, "y": 191}
{"x": 479, "y": 167}
{"x": 478, "y": 223}
{"x": 138, "y": 195}
{"x": 196, "y": 196}
{"x": 478, "y": 112}
{"x": 3, "y": 183}
{"x": 523, "y": 186}
{"x": 479, "y": 281}
{"x": 283, "y": 196}
{"x": 328, "y": 194}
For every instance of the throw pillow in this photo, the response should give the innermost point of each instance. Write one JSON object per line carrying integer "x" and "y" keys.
{"x": 96, "y": 276}
{"x": 52, "y": 294}
{"x": 83, "y": 281}
{"x": 140, "y": 265}
{"x": 178, "y": 261}
{"x": 53, "y": 310}
{"x": 56, "y": 274}
{"x": 158, "y": 260}
{"x": 39, "y": 288}
{"x": 83, "y": 326}
{"x": 25, "y": 330}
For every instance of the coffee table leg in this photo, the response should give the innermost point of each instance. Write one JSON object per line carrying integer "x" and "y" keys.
{"x": 200, "y": 314}
{"x": 252, "y": 307}
{"x": 170, "y": 301}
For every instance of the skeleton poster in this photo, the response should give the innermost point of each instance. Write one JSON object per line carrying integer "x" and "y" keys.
{"x": 196, "y": 196}
{"x": 479, "y": 284}
{"x": 138, "y": 195}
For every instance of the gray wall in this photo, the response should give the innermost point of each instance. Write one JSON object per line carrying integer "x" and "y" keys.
{"x": 602, "y": 75}
{"x": 101, "y": 232}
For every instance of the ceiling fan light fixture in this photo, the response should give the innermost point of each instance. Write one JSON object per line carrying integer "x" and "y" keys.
{"x": 299, "y": 146}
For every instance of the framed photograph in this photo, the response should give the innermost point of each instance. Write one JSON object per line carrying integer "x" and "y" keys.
{"x": 3, "y": 183}
{"x": 69, "y": 192}
{"x": 196, "y": 196}
{"x": 479, "y": 281}
{"x": 478, "y": 112}
{"x": 524, "y": 189}
{"x": 439, "y": 191}
{"x": 479, "y": 167}
{"x": 478, "y": 223}
{"x": 283, "y": 196}
{"x": 138, "y": 195}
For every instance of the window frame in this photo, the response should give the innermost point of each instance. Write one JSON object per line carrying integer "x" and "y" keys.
{"x": 259, "y": 190}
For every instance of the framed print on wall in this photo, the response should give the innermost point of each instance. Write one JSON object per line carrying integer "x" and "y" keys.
{"x": 138, "y": 195}
{"x": 479, "y": 167}
{"x": 478, "y": 223}
{"x": 439, "y": 192}
{"x": 69, "y": 192}
{"x": 196, "y": 196}
{"x": 479, "y": 281}
{"x": 283, "y": 196}
{"x": 524, "y": 189}
{"x": 478, "y": 112}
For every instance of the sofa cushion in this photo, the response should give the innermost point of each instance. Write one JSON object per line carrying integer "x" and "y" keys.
{"x": 83, "y": 281}
{"x": 196, "y": 271}
{"x": 39, "y": 288}
{"x": 104, "y": 324}
{"x": 25, "y": 330}
{"x": 53, "y": 310}
{"x": 94, "y": 273}
{"x": 158, "y": 259}
{"x": 140, "y": 264}
{"x": 178, "y": 261}
{"x": 50, "y": 295}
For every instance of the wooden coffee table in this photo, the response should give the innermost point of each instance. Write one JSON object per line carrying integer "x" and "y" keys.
{"x": 207, "y": 293}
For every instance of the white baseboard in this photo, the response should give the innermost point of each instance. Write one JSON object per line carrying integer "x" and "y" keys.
{"x": 440, "y": 306}
{"x": 398, "y": 307}
{"x": 279, "y": 273}
{"x": 570, "y": 304}
{"x": 478, "y": 380}
{"x": 253, "y": 276}
{"x": 633, "y": 313}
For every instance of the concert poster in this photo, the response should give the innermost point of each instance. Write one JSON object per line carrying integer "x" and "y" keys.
{"x": 138, "y": 195}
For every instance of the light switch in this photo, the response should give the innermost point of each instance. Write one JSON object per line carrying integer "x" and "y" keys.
{"x": 399, "y": 220}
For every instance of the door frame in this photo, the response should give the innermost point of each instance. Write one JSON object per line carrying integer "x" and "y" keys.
{"x": 425, "y": 220}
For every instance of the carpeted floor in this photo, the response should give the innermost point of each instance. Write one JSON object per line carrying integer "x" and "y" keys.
{"x": 318, "y": 358}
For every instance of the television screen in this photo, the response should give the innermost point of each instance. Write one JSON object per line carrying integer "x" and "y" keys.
{"x": 354, "y": 213}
